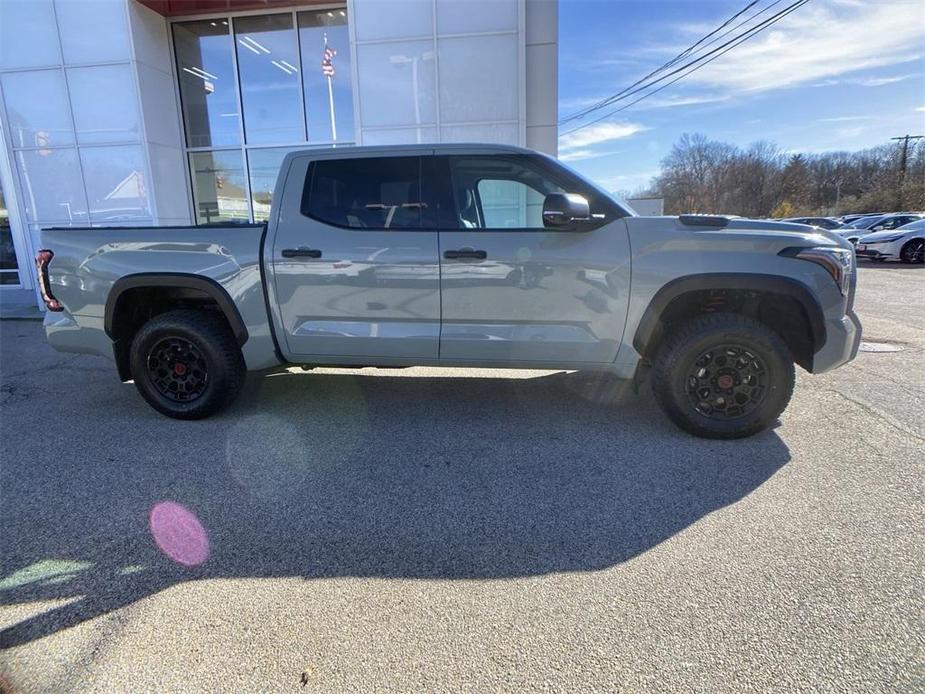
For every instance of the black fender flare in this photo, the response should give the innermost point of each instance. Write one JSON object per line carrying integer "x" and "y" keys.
{"x": 175, "y": 279}
{"x": 775, "y": 284}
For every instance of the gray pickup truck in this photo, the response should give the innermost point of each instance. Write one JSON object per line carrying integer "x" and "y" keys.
{"x": 458, "y": 255}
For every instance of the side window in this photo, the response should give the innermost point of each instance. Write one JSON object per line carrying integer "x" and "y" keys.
{"x": 367, "y": 193}
{"x": 499, "y": 192}
{"x": 507, "y": 191}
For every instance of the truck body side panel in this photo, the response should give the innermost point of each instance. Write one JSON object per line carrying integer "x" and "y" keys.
{"x": 88, "y": 262}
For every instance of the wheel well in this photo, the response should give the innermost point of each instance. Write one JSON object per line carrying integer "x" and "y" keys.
{"x": 131, "y": 307}
{"x": 783, "y": 313}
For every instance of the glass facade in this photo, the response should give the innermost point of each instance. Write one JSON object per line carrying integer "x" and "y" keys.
{"x": 9, "y": 273}
{"x": 252, "y": 89}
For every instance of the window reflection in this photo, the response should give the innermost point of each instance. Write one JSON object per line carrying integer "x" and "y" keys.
{"x": 218, "y": 186}
{"x": 34, "y": 121}
{"x": 8, "y": 265}
{"x": 328, "y": 102}
{"x": 115, "y": 180}
{"x": 263, "y": 165}
{"x": 268, "y": 67}
{"x": 207, "y": 84}
{"x": 52, "y": 185}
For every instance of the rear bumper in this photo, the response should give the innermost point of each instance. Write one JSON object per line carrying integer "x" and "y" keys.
{"x": 81, "y": 334}
{"x": 843, "y": 338}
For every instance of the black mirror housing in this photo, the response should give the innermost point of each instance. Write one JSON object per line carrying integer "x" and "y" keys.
{"x": 562, "y": 210}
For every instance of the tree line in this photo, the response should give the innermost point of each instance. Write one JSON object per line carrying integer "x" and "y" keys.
{"x": 707, "y": 176}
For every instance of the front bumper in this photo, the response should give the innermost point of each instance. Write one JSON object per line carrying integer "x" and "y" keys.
{"x": 863, "y": 250}
{"x": 843, "y": 338}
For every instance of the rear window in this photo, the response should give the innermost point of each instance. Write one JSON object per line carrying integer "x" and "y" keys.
{"x": 368, "y": 193}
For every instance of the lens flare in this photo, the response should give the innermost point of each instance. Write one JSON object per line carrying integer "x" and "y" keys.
{"x": 178, "y": 533}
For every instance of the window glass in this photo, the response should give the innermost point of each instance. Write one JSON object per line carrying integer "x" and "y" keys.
{"x": 104, "y": 102}
{"x": 500, "y": 192}
{"x": 268, "y": 67}
{"x": 52, "y": 185}
{"x": 219, "y": 191}
{"x": 207, "y": 83}
{"x": 37, "y": 108}
{"x": 28, "y": 34}
{"x": 263, "y": 168}
{"x": 8, "y": 265}
{"x": 375, "y": 193}
{"x": 116, "y": 188}
{"x": 93, "y": 31}
{"x": 506, "y": 191}
{"x": 325, "y": 47}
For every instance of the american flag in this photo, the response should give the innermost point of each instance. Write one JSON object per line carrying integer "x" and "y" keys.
{"x": 327, "y": 62}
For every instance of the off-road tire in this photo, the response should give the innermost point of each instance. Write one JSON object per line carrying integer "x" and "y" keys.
{"x": 678, "y": 356}
{"x": 211, "y": 340}
{"x": 912, "y": 252}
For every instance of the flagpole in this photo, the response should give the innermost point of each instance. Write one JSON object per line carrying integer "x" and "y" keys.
{"x": 331, "y": 97}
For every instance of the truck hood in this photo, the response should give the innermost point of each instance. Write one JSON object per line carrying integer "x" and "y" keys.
{"x": 721, "y": 227}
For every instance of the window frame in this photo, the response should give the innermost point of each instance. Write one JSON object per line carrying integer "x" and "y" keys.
{"x": 305, "y": 202}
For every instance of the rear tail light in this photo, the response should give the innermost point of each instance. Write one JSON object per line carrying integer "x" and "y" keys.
{"x": 42, "y": 258}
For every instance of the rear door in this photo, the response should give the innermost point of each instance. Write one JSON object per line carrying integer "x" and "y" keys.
{"x": 515, "y": 291}
{"x": 355, "y": 270}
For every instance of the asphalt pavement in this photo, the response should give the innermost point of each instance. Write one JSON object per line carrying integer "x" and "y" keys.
{"x": 451, "y": 529}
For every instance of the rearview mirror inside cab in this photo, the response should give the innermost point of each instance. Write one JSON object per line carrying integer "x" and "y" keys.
{"x": 562, "y": 210}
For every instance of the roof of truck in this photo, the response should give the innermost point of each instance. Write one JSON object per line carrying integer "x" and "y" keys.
{"x": 428, "y": 147}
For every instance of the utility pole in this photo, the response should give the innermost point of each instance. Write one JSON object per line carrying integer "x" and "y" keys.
{"x": 902, "y": 163}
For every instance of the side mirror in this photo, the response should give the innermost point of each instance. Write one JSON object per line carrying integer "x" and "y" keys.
{"x": 878, "y": 227}
{"x": 562, "y": 210}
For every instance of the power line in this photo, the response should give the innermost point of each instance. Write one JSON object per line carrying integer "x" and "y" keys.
{"x": 604, "y": 102}
{"x": 696, "y": 64}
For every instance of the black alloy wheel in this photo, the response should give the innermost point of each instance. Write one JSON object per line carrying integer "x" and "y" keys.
{"x": 177, "y": 369}
{"x": 727, "y": 381}
{"x": 913, "y": 252}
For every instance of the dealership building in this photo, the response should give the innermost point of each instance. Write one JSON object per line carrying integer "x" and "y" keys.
{"x": 142, "y": 112}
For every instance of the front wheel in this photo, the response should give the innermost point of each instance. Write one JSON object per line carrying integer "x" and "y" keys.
{"x": 723, "y": 376}
{"x": 187, "y": 364}
{"x": 913, "y": 253}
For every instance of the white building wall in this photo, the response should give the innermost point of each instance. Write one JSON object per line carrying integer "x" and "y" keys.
{"x": 88, "y": 110}
{"x": 455, "y": 71}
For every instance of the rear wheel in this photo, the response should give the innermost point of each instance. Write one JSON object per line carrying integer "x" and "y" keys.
{"x": 723, "y": 376}
{"x": 187, "y": 364}
{"x": 913, "y": 253}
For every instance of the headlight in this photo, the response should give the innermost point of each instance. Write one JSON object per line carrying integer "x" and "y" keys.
{"x": 889, "y": 239}
{"x": 838, "y": 262}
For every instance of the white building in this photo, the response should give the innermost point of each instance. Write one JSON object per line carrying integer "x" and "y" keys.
{"x": 140, "y": 112}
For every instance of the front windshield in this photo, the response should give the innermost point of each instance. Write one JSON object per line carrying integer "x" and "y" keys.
{"x": 865, "y": 222}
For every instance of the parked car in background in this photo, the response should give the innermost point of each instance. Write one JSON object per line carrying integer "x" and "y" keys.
{"x": 867, "y": 225}
{"x": 905, "y": 243}
{"x": 821, "y": 222}
{"x": 422, "y": 255}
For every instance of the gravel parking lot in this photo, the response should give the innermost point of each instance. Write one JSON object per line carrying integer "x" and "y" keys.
{"x": 452, "y": 529}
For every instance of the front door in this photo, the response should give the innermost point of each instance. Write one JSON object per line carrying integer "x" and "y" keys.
{"x": 514, "y": 291}
{"x": 356, "y": 273}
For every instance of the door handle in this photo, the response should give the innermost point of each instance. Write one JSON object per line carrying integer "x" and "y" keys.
{"x": 465, "y": 253}
{"x": 301, "y": 253}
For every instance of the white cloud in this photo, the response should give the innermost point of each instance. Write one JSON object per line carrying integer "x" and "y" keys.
{"x": 921, "y": 109}
{"x": 880, "y": 81}
{"x": 820, "y": 41}
{"x": 846, "y": 119}
{"x": 577, "y": 145}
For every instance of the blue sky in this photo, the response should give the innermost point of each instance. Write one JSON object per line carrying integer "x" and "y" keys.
{"x": 833, "y": 75}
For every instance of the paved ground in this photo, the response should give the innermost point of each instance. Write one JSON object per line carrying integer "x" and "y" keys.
{"x": 467, "y": 530}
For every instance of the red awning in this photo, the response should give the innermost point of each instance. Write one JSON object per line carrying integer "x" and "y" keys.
{"x": 182, "y": 8}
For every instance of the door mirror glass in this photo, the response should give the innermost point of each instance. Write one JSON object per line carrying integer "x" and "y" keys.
{"x": 565, "y": 209}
